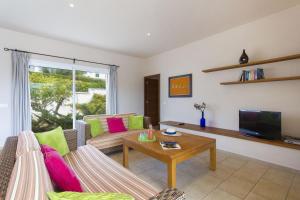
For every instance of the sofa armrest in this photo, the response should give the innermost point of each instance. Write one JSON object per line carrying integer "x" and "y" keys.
{"x": 71, "y": 137}
{"x": 7, "y": 162}
{"x": 169, "y": 194}
{"x": 147, "y": 122}
{"x": 84, "y": 132}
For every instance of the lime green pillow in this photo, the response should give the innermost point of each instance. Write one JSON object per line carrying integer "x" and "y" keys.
{"x": 54, "y": 138}
{"x": 96, "y": 127}
{"x": 135, "y": 122}
{"x": 88, "y": 196}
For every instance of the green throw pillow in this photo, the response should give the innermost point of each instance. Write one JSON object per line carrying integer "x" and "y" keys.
{"x": 96, "y": 127}
{"x": 88, "y": 196}
{"x": 54, "y": 138}
{"x": 136, "y": 122}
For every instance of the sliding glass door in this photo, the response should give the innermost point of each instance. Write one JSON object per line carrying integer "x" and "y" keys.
{"x": 90, "y": 93}
{"x": 60, "y": 94}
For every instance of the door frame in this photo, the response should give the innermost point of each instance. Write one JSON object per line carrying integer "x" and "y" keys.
{"x": 156, "y": 76}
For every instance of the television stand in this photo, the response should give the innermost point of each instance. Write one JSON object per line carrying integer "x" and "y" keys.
{"x": 273, "y": 151}
{"x": 230, "y": 133}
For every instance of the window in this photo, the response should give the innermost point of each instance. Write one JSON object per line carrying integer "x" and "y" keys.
{"x": 60, "y": 94}
{"x": 90, "y": 93}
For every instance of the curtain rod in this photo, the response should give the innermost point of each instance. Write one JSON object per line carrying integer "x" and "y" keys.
{"x": 61, "y": 57}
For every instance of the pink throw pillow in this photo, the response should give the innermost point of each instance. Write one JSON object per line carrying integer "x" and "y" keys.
{"x": 115, "y": 125}
{"x": 60, "y": 173}
{"x": 46, "y": 149}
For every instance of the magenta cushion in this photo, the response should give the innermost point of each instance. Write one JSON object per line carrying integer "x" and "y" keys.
{"x": 46, "y": 149}
{"x": 60, "y": 173}
{"x": 115, "y": 124}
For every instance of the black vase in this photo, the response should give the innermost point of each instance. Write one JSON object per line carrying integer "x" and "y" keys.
{"x": 244, "y": 58}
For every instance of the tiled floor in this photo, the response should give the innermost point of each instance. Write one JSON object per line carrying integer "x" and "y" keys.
{"x": 236, "y": 177}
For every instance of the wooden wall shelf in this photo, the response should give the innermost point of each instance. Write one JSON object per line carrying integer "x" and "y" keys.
{"x": 230, "y": 133}
{"x": 288, "y": 78}
{"x": 260, "y": 62}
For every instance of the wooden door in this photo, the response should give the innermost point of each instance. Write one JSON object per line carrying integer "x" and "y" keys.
{"x": 152, "y": 98}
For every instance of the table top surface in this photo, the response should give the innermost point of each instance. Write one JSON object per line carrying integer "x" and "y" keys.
{"x": 189, "y": 143}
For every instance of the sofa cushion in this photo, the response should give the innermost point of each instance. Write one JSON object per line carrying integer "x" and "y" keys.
{"x": 45, "y": 149}
{"x": 107, "y": 140}
{"x": 99, "y": 173}
{"x": 27, "y": 142}
{"x": 60, "y": 173}
{"x": 29, "y": 179}
{"x": 115, "y": 125}
{"x": 88, "y": 196}
{"x": 54, "y": 138}
{"x": 103, "y": 121}
{"x": 135, "y": 122}
{"x": 96, "y": 127}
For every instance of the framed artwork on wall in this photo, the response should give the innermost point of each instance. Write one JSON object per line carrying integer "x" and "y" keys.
{"x": 181, "y": 86}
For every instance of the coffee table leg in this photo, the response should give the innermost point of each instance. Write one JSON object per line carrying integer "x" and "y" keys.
{"x": 213, "y": 157}
{"x": 172, "y": 174}
{"x": 125, "y": 156}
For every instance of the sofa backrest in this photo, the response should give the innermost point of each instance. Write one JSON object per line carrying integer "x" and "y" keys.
{"x": 30, "y": 174}
{"x": 27, "y": 142}
{"x": 103, "y": 121}
{"x": 29, "y": 178}
{"x": 23, "y": 174}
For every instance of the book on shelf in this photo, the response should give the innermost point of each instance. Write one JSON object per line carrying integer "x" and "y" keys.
{"x": 248, "y": 75}
{"x": 169, "y": 145}
{"x": 260, "y": 73}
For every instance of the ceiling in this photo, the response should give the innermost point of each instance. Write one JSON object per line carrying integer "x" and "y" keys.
{"x": 122, "y": 25}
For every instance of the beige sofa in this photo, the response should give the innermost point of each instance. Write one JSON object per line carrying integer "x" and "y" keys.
{"x": 23, "y": 174}
{"x": 106, "y": 142}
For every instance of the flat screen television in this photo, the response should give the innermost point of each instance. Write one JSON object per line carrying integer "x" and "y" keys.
{"x": 263, "y": 124}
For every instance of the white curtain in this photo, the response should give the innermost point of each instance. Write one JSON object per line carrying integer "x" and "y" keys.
{"x": 21, "y": 108}
{"x": 113, "y": 89}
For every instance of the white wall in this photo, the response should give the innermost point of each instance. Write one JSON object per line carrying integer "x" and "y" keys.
{"x": 130, "y": 78}
{"x": 275, "y": 35}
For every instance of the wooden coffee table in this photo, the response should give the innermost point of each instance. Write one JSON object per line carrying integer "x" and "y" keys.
{"x": 191, "y": 145}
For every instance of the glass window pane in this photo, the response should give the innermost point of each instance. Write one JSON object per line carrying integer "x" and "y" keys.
{"x": 90, "y": 93}
{"x": 51, "y": 98}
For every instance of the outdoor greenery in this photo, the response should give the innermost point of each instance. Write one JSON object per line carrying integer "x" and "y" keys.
{"x": 51, "y": 90}
{"x": 95, "y": 106}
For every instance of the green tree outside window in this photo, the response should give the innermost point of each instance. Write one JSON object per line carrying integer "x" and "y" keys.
{"x": 51, "y": 92}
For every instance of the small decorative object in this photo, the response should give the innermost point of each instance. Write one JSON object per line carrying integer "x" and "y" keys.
{"x": 143, "y": 137}
{"x": 244, "y": 58}
{"x": 202, "y": 109}
{"x": 170, "y": 131}
{"x": 176, "y": 134}
{"x": 150, "y": 132}
{"x": 180, "y": 86}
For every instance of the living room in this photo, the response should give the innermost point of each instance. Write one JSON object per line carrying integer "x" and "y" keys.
{"x": 99, "y": 56}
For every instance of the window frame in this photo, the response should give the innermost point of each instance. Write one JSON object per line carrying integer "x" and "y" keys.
{"x": 74, "y": 68}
